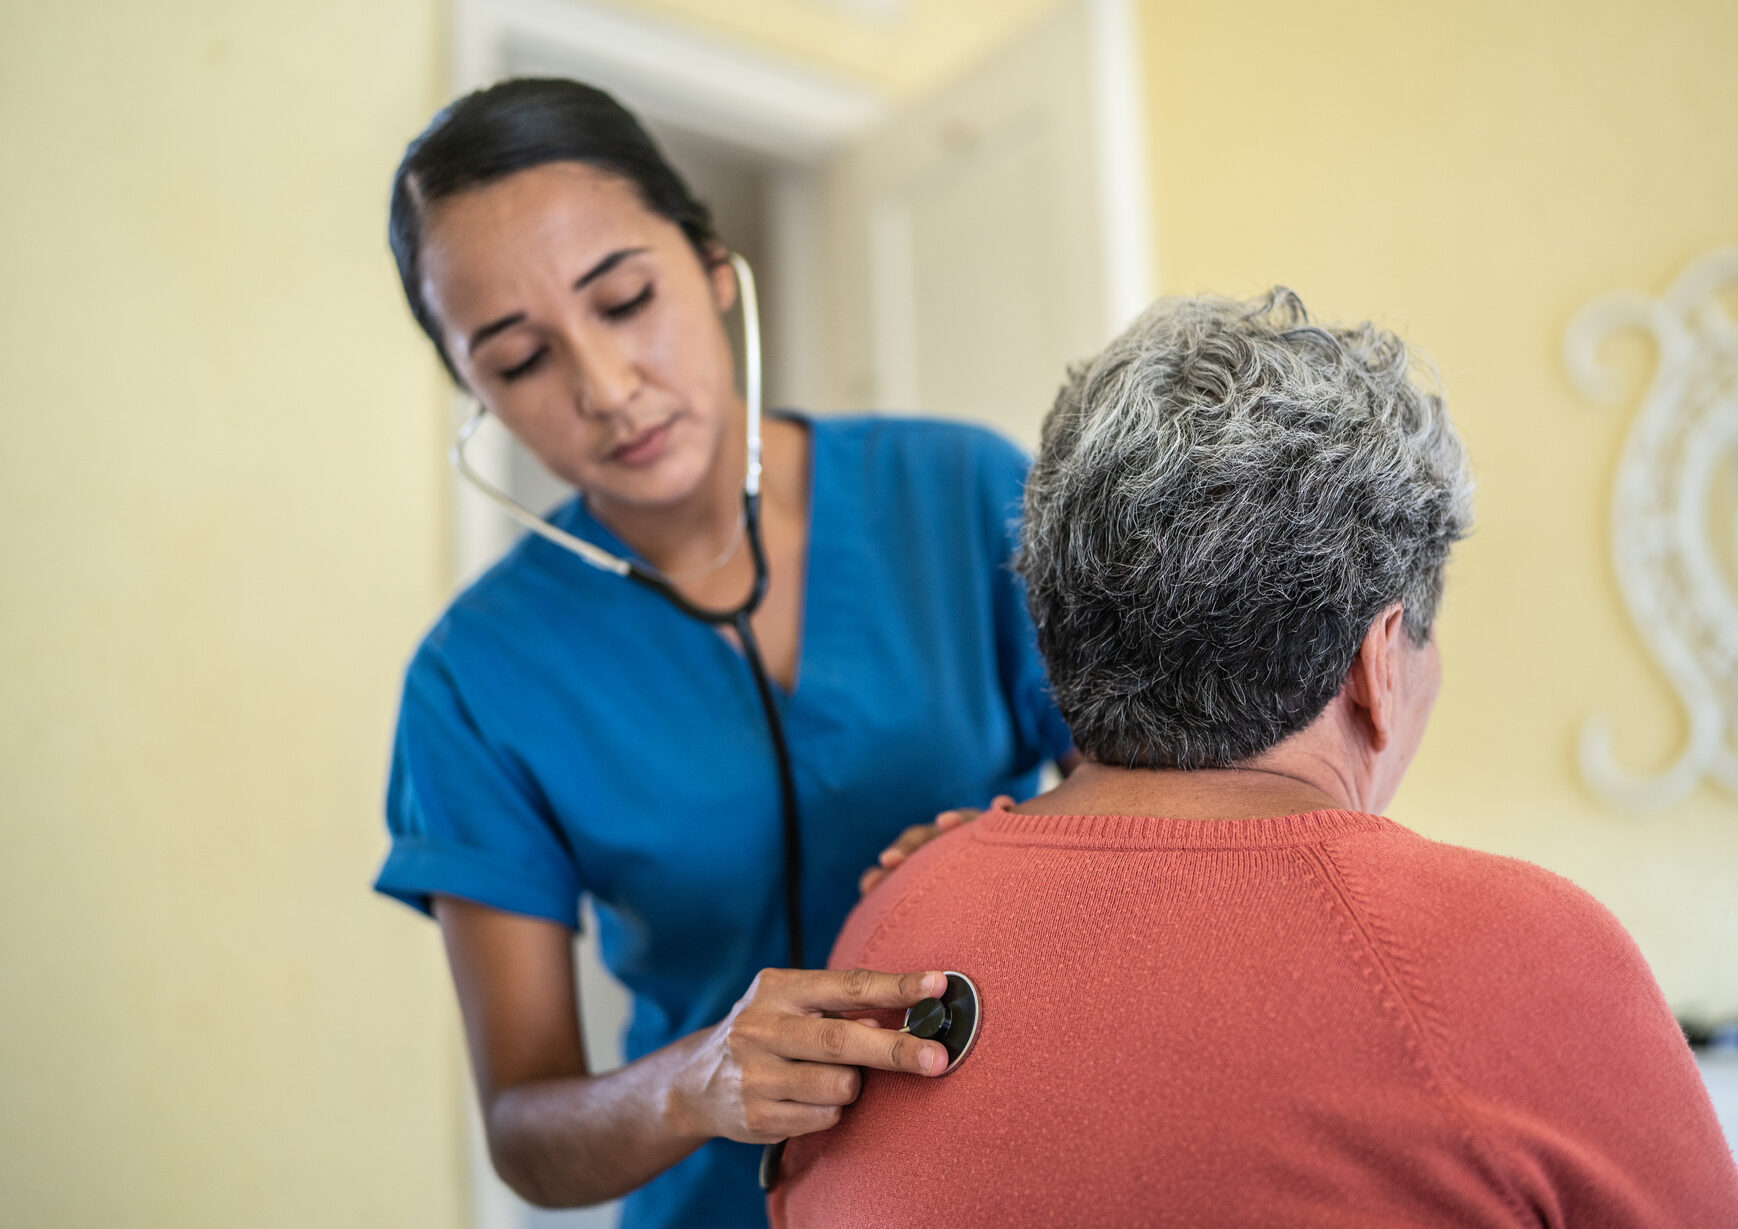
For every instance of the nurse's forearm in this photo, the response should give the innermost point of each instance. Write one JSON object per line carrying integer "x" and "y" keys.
{"x": 580, "y": 1140}
{"x": 781, "y": 1063}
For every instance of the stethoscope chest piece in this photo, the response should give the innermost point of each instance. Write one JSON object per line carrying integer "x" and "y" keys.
{"x": 953, "y": 1019}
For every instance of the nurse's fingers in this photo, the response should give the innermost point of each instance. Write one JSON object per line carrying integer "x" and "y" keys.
{"x": 776, "y": 1120}
{"x": 819, "y": 1083}
{"x": 834, "y": 1043}
{"x": 813, "y": 991}
{"x": 916, "y": 837}
{"x": 948, "y": 820}
{"x": 913, "y": 839}
{"x": 894, "y": 855}
{"x": 919, "y": 835}
{"x": 782, "y": 1016}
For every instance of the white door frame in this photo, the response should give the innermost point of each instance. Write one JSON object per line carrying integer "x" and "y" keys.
{"x": 1119, "y": 115}
{"x": 666, "y": 72}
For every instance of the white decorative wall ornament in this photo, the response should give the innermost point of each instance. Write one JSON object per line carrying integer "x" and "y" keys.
{"x": 1678, "y": 463}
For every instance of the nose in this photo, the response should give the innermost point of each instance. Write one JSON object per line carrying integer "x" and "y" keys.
{"x": 605, "y": 377}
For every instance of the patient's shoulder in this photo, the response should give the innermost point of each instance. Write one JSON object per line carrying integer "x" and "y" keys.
{"x": 1456, "y": 899}
{"x": 1498, "y": 953}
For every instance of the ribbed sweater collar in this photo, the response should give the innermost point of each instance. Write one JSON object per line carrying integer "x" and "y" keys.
{"x": 1143, "y": 832}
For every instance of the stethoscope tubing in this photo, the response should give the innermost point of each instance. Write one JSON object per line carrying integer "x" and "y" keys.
{"x": 738, "y": 617}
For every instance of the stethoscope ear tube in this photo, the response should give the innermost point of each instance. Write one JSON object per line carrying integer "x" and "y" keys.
{"x": 592, "y": 554}
{"x": 750, "y": 370}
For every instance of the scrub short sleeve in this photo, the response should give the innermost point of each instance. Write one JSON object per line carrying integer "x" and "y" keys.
{"x": 1042, "y": 728}
{"x": 465, "y": 817}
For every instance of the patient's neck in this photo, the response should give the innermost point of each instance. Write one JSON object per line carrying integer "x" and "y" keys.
{"x": 1334, "y": 763}
{"x": 1208, "y": 793}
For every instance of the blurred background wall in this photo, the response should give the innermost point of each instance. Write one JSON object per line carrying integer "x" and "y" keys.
{"x": 224, "y": 518}
{"x": 223, "y": 525}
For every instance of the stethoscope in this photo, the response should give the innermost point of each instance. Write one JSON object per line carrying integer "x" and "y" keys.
{"x": 952, "y": 1019}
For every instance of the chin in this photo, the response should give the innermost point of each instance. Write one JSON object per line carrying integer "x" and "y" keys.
{"x": 664, "y": 484}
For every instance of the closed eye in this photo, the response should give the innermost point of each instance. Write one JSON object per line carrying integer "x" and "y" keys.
{"x": 526, "y": 367}
{"x": 623, "y": 310}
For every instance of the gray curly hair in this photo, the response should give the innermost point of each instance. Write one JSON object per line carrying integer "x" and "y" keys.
{"x": 1223, "y": 501}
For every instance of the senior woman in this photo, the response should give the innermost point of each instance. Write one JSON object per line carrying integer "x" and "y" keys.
{"x": 1219, "y": 988}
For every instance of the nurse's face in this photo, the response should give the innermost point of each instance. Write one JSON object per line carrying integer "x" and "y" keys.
{"x": 589, "y": 326}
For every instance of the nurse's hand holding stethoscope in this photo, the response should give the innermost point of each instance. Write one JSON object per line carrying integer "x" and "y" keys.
{"x": 919, "y": 835}
{"x": 783, "y": 1062}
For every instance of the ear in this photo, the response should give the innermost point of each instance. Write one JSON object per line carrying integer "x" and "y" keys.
{"x": 722, "y": 274}
{"x": 1373, "y": 682}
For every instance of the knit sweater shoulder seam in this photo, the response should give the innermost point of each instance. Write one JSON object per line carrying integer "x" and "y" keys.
{"x": 1394, "y": 994}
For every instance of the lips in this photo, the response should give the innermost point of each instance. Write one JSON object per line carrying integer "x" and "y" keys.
{"x": 643, "y": 447}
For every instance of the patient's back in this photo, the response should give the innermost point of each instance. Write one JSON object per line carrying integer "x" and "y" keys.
{"x": 1317, "y": 1019}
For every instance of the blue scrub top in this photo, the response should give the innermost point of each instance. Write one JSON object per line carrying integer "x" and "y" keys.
{"x": 564, "y": 731}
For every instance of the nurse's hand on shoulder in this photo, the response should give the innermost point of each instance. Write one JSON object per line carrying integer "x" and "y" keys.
{"x": 783, "y": 1063}
{"x": 919, "y": 835}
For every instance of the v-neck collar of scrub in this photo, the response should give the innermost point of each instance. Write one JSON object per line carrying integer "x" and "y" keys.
{"x": 822, "y": 522}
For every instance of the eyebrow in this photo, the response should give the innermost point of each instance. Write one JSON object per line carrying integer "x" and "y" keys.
{"x": 585, "y": 279}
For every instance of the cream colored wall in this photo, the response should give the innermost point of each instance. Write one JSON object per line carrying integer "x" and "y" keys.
{"x": 221, "y": 529}
{"x": 1472, "y": 173}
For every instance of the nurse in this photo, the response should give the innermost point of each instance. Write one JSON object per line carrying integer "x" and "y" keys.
{"x": 564, "y": 731}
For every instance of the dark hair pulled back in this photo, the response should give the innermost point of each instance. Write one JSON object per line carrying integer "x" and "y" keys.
{"x": 513, "y": 126}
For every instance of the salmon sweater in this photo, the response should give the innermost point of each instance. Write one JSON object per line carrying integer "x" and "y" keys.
{"x": 1310, "y": 1020}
